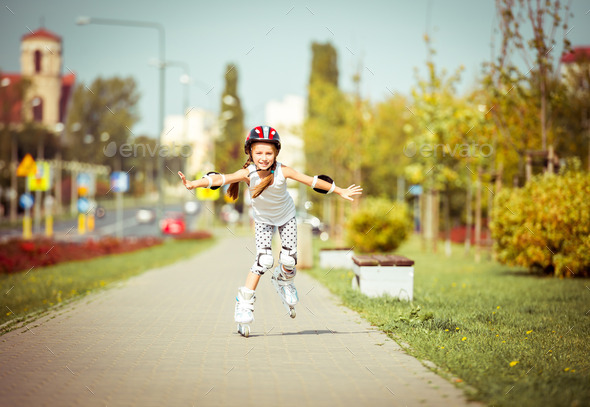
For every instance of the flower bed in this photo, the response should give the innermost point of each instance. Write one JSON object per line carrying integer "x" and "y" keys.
{"x": 20, "y": 255}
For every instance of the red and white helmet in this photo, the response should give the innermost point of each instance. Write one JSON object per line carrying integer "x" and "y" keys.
{"x": 262, "y": 133}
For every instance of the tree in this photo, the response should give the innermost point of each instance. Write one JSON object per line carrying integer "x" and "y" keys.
{"x": 573, "y": 117}
{"x": 447, "y": 141}
{"x": 100, "y": 115}
{"x": 384, "y": 138}
{"x": 229, "y": 147}
{"x": 324, "y": 71}
{"x": 516, "y": 17}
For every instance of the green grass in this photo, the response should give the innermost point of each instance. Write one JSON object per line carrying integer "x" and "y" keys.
{"x": 25, "y": 296}
{"x": 518, "y": 339}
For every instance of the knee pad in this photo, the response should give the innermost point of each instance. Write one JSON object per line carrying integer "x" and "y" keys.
{"x": 265, "y": 260}
{"x": 288, "y": 260}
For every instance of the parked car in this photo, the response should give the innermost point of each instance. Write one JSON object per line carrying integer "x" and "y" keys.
{"x": 145, "y": 215}
{"x": 173, "y": 223}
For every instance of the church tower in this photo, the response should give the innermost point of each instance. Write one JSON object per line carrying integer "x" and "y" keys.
{"x": 41, "y": 63}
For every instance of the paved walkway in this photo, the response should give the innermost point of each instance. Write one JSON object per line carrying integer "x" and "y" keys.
{"x": 167, "y": 338}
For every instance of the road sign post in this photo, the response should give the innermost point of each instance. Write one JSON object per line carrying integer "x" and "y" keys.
{"x": 26, "y": 168}
{"x": 26, "y": 202}
{"x": 119, "y": 184}
{"x": 48, "y": 203}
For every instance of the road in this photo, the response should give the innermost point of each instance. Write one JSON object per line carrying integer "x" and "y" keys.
{"x": 107, "y": 225}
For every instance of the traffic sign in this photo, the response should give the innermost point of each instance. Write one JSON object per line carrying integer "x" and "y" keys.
{"x": 83, "y": 205}
{"x": 40, "y": 180}
{"x": 86, "y": 184}
{"x": 120, "y": 181}
{"x": 416, "y": 190}
{"x": 26, "y": 167}
{"x": 26, "y": 201}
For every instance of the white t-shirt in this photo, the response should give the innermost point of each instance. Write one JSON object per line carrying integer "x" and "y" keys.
{"x": 274, "y": 206}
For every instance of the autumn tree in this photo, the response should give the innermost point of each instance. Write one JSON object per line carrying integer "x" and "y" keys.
{"x": 525, "y": 65}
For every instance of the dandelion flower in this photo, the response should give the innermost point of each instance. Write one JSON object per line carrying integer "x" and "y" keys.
{"x": 566, "y": 369}
{"x": 464, "y": 338}
{"x": 457, "y": 328}
{"x": 513, "y": 363}
{"x": 503, "y": 341}
{"x": 528, "y": 332}
{"x": 497, "y": 335}
{"x": 498, "y": 307}
{"x": 446, "y": 330}
{"x": 442, "y": 347}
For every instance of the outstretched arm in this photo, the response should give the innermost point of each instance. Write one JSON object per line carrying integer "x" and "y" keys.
{"x": 217, "y": 179}
{"x": 347, "y": 193}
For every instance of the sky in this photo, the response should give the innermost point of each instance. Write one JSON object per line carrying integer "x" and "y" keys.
{"x": 269, "y": 41}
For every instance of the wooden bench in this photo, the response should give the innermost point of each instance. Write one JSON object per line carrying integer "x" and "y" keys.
{"x": 376, "y": 275}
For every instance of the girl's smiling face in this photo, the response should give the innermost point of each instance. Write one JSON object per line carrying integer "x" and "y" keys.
{"x": 263, "y": 155}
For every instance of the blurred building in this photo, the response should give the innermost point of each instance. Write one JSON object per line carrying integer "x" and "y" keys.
{"x": 287, "y": 118}
{"x": 48, "y": 93}
{"x": 191, "y": 136}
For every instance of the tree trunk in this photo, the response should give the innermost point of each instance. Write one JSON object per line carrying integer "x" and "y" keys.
{"x": 478, "y": 216}
{"x": 447, "y": 215}
{"x": 468, "y": 216}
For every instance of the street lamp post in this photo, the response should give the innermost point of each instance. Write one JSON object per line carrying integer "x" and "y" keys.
{"x": 161, "y": 68}
{"x": 185, "y": 80}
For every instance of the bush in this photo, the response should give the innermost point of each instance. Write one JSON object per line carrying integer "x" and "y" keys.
{"x": 378, "y": 226}
{"x": 545, "y": 225}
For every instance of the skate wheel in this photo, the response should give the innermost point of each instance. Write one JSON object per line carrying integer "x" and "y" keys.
{"x": 292, "y": 313}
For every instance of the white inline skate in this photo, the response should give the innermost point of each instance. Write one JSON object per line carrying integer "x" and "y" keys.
{"x": 282, "y": 280}
{"x": 244, "y": 310}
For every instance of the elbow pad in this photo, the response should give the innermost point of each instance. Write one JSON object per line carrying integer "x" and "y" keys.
{"x": 323, "y": 178}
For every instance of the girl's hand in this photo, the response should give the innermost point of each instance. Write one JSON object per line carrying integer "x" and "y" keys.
{"x": 350, "y": 191}
{"x": 187, "y": 184}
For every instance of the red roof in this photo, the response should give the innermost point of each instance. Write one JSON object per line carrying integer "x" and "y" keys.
{"x": 576, "y": 54}
{"x": 42, "y": 33}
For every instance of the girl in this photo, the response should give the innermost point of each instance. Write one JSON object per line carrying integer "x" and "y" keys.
{"x": 273, "y": 208}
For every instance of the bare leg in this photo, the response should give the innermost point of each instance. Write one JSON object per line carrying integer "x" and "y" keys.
{"x": 252, "y": 280}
